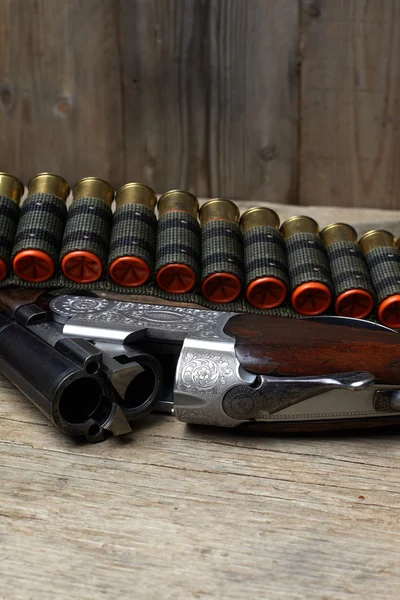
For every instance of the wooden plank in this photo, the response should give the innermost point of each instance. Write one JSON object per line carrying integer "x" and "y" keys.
{"x": 211, "y": 95}
{"x": 175, "y": 512}
{"x": 350, "y": 95}
{"x": 60, "y": 105}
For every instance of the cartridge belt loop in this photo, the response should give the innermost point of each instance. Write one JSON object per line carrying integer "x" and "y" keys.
{"x": 40, "y": 228}
{"x": 11, "y": 190}
{"x": 383, "y": 260}
{"x": 87, "y": 232}
{"x": 309, "y": 274}
{"x": 222, "y": 274}
{"x": 221, "y": 255}
{"x": 353, "y": 289}
{"x": 264, "y": 258}
{"x": 178, "y": 242}
{"x": 133, "y": 237}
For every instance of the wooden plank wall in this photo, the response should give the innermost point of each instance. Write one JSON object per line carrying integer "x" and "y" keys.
{"x": 350, "y": 100}
{"x": 60, "y": 88}
{"x": 269, "y": 100}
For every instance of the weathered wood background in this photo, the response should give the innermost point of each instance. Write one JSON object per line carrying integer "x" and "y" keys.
{"x": 274, "y": 100}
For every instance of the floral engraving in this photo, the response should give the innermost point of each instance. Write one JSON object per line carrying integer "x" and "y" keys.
{"x": 206, "y": 371}
{"x": 203, "y": 373}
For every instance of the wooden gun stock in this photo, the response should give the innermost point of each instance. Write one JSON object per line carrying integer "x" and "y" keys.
{"x": 296, "y": 347}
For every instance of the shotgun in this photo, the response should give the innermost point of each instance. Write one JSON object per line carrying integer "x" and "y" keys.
{"x": 94, "y": 364}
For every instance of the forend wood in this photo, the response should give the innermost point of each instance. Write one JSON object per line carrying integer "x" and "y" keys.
{"x": 300, "y": 347}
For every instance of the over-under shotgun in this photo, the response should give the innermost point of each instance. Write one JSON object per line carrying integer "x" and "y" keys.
{"x": 94, "y": 364}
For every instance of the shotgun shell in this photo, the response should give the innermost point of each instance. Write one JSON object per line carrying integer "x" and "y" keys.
{"x": 40, "y": 228}
{"x": 87, "y": 231}
{"x": 133, "y": 235}
{"x": 11, "y": 190}
{"x": 351, "y": 280}
{"x": 264, "y": 258}
{"x": 222, "y": 251}
{"x": 383, "y": 260}
{"x": 178, "y": 242}
{"x": 309, "y": 274}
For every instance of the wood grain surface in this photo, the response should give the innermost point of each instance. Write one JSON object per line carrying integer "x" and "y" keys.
{"x": 174, "y": 512}
{"x": 278, "y": 100}
{"x": 174, "y": 93}
{"x": 350, "y": 92}
{"x": 297, "y": 347}
{"x": 59, "y": 71}
{"x": 207, "y": 107}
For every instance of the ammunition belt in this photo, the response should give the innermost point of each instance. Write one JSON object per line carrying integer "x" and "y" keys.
{"x": 213, "y": 256}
